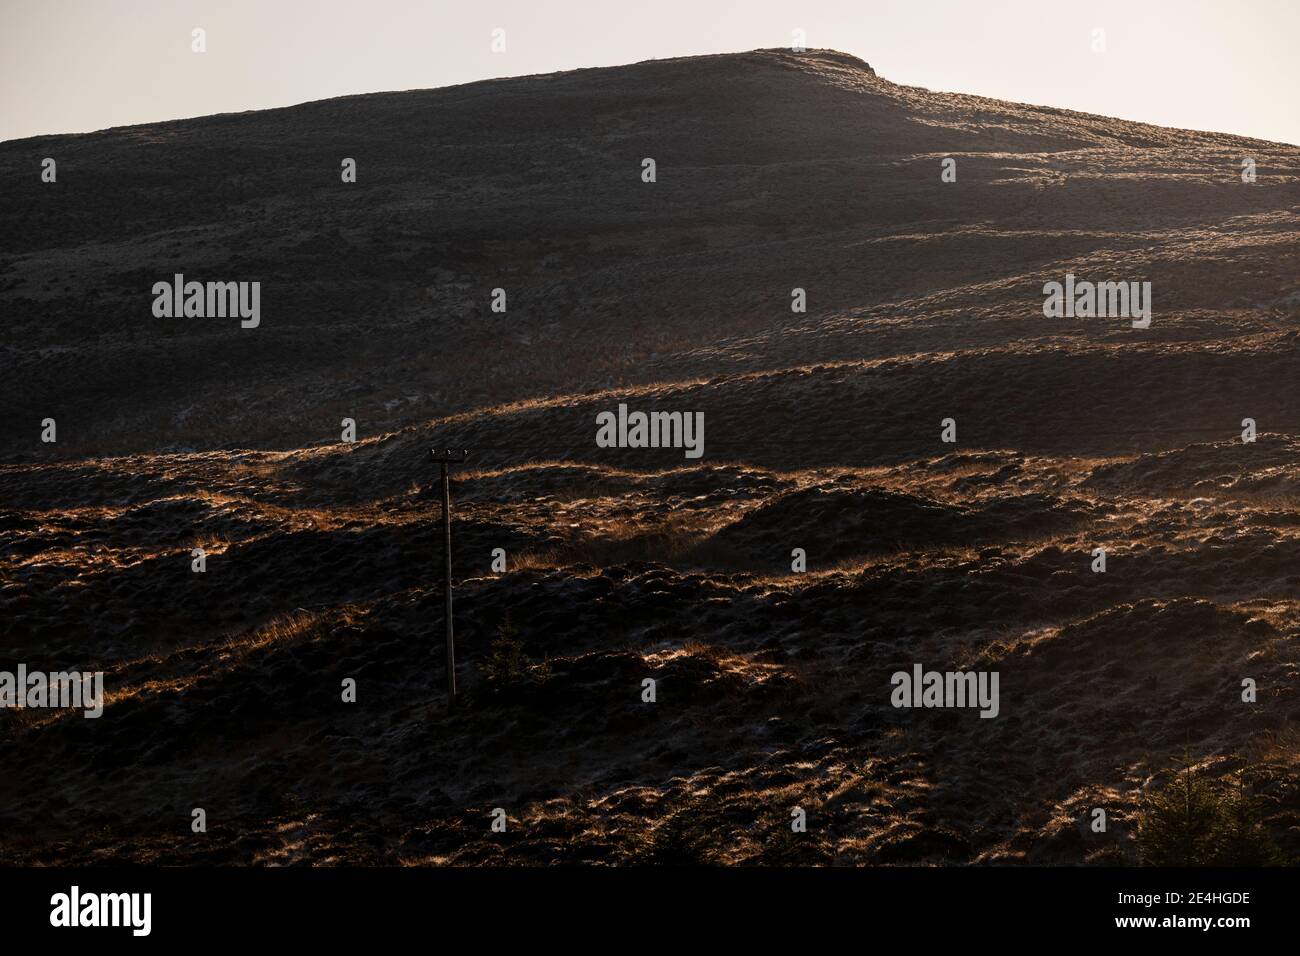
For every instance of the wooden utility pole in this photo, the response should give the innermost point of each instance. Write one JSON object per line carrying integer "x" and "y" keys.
{"x": 444, "y": 458}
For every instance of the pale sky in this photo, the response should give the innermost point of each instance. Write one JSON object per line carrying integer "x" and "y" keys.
{"x": 70, "y": 66}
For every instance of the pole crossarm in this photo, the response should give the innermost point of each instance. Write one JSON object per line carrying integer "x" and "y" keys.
{"x": 448, "y": 456}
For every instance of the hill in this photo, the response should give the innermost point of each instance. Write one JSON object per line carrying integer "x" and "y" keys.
{"x": 821, "y": 432}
